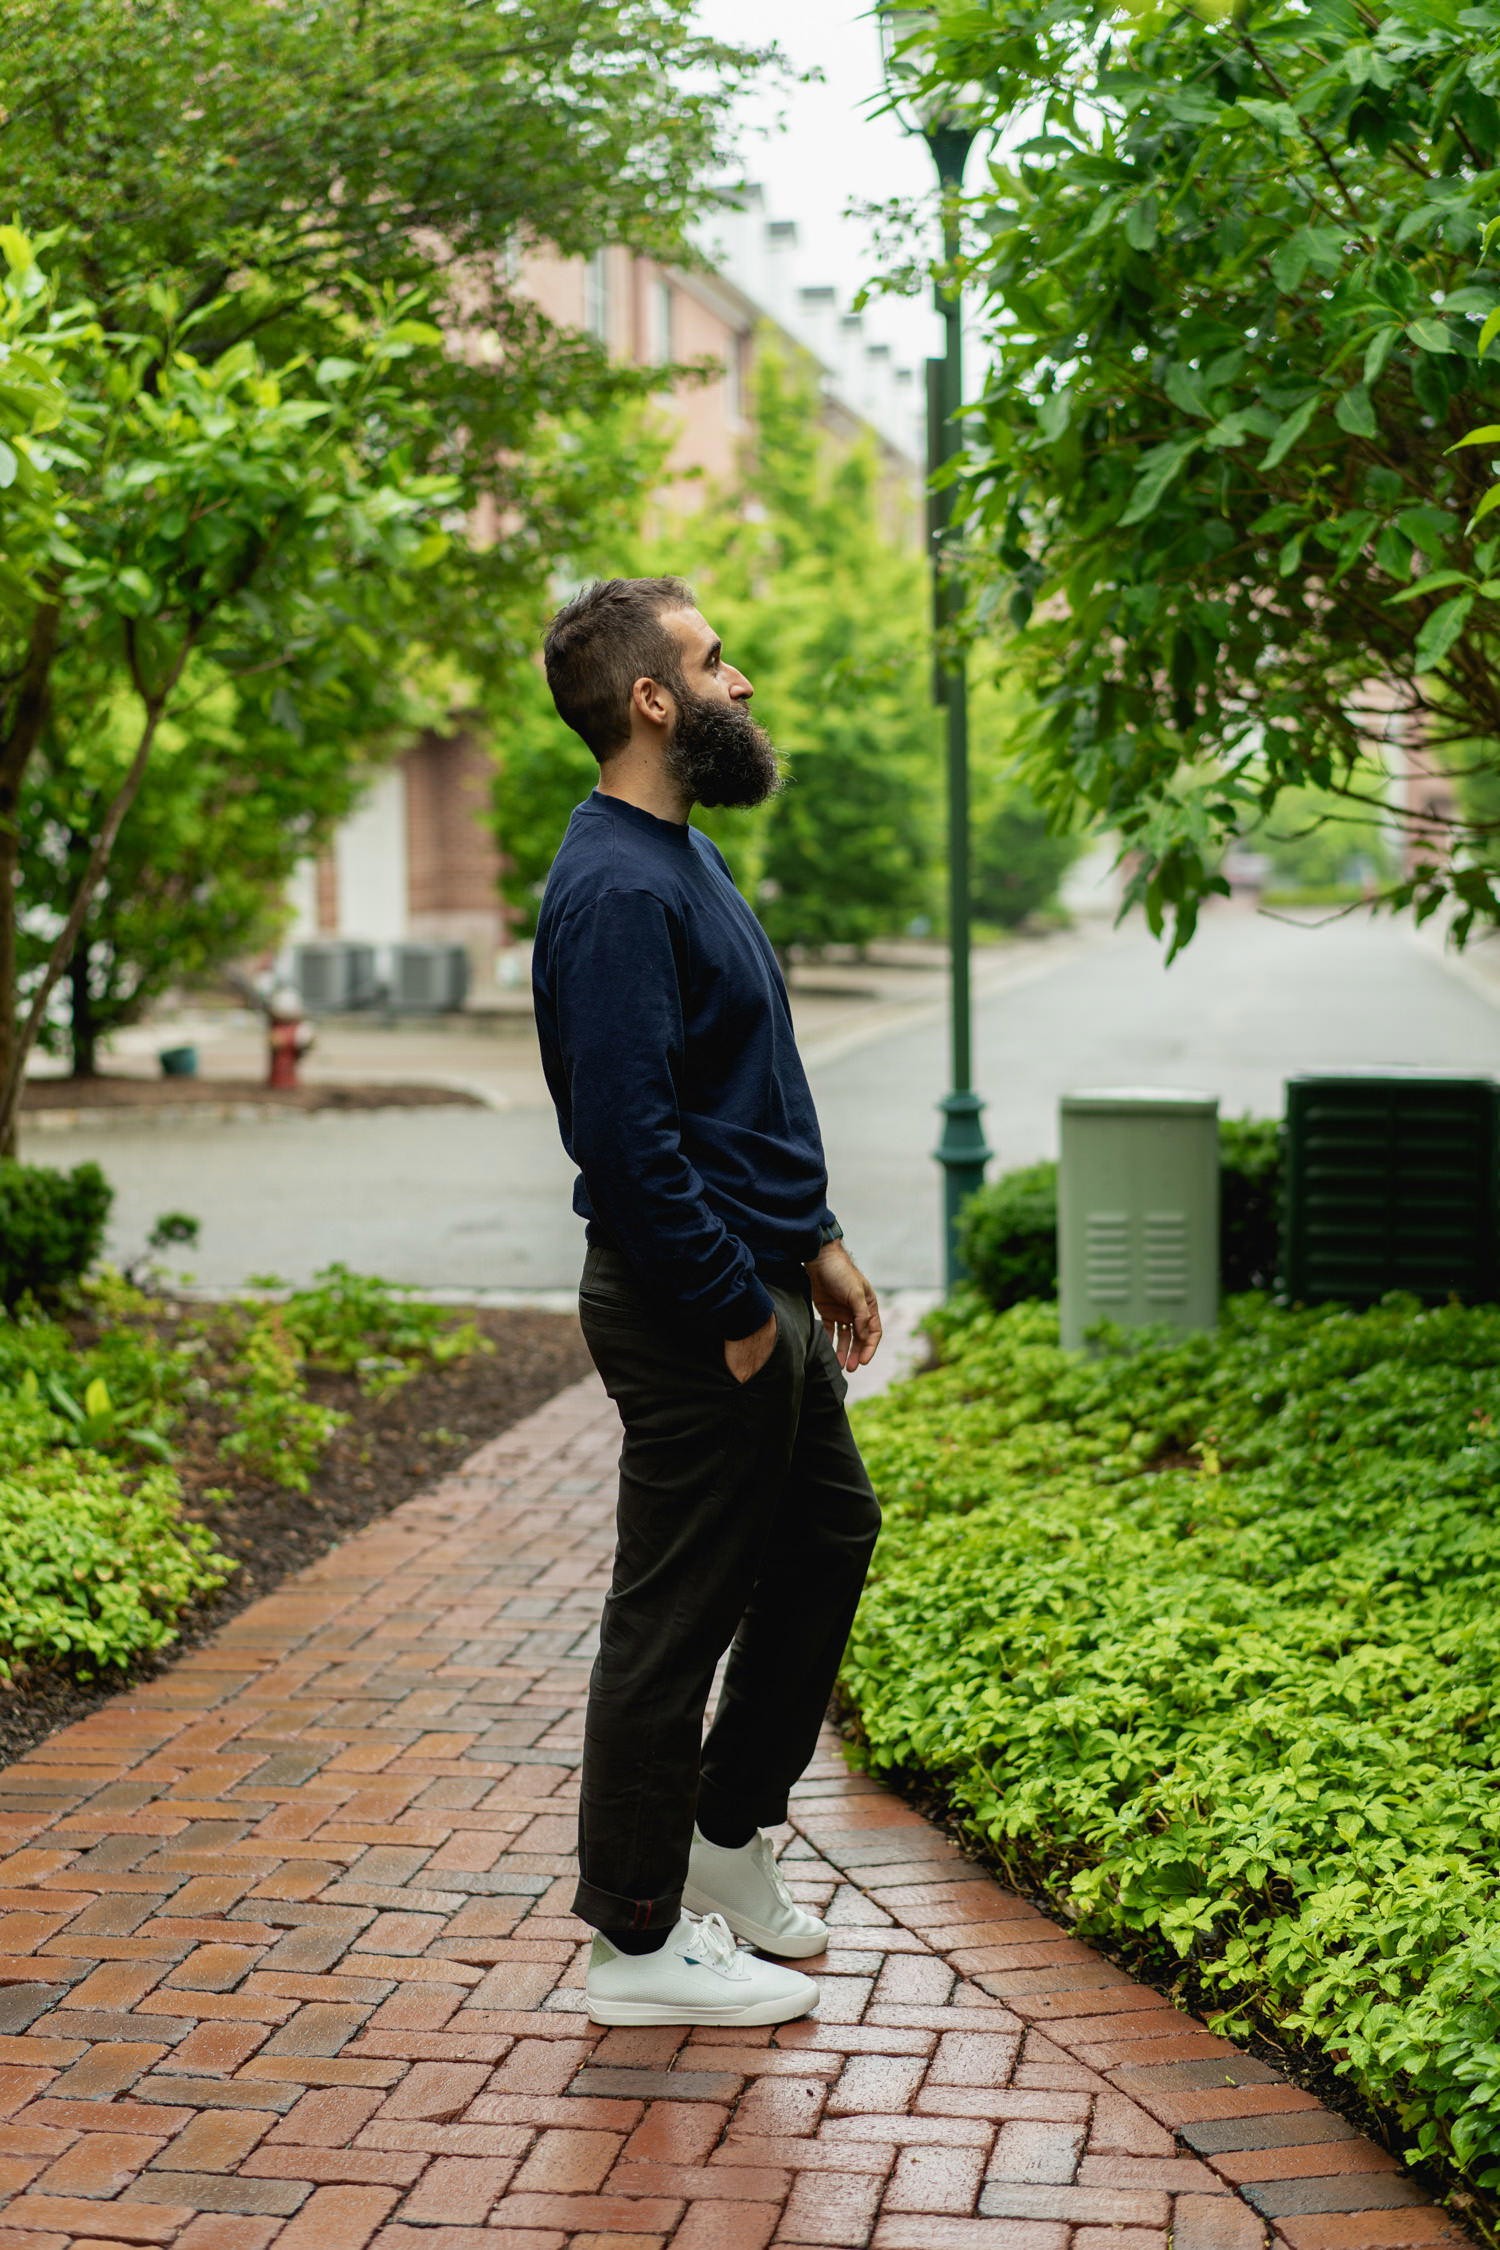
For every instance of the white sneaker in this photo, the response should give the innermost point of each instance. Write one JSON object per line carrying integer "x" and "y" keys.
{"x": 748, "y": 1889}
{"x": 699, "y": 1976}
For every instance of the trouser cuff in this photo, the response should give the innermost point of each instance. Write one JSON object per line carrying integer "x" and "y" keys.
{"x": 730, "y": 1809}
{"x": 608, "y": 1910}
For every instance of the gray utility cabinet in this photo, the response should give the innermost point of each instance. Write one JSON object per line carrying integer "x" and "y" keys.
{"x": 1391, "y": 1181}
{"x": 1138, "y": 1210}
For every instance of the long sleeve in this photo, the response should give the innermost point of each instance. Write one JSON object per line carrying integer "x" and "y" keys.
{"x": 620, "y": 1038}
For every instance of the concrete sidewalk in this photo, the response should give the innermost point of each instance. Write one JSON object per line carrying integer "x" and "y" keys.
{"x": 289, "y": 1961}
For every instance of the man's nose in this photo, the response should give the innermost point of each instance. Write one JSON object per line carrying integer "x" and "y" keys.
{"x": 739, "y": 686}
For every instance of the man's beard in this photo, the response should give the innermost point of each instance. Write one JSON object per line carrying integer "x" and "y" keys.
{"x": 718, "y": 755}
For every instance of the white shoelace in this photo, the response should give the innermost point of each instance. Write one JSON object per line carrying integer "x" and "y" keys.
{"x": 771, "y": 1868}
{"x": 714, "y": 1941}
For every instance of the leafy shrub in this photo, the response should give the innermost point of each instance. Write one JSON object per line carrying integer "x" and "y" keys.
{"x": 1007, "y": 1235}
{"x": 94, "y": 1559}
{"x": 1008, "y": 1230}
{"x": 51, "y": 1227}
{"x": 118, "y": 1394}
{"x": 279, "y": 1432}
{"x": 1018, "y": 858}
{"x": 94, "y": 1566}
{"x": 381, "y": 1331}
{"x": 1249, "y": 1202}
{"x": 1202, "y": 1637}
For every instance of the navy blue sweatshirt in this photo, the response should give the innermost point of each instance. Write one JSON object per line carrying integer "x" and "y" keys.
{"x": 667, "y": 1043}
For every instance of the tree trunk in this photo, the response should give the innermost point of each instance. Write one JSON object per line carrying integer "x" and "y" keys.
{"x": 21, "y": 722}
{"x": 10, "y": 859}
{"x": 62, "y": 951}
{"x": 83, "y": 1032}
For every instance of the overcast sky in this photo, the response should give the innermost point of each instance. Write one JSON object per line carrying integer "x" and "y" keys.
{"x": 815, "y": 148}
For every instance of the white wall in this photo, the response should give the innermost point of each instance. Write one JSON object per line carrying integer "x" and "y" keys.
{"x": 370, "y": 855}
{"x": 302, "y": 897}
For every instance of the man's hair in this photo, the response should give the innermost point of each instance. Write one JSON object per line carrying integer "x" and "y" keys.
{"x": 604, "y": 640}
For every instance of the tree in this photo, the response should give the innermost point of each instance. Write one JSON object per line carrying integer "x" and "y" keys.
{"x": 822, "y": 604}
{"x": 1237, "y": 273}
{"x": 252, "y": 203}
{"x": 199, "y": 510}
{"x": 199, "y": 872}
{"x": 279, "y": 169}
{"x": 822, "y": 600}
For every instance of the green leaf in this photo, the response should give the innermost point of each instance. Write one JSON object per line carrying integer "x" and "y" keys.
{"x": 1290, "y": 430}
{"x": 1184, "y": 387}
{"x": 96, "y": 1399}
{"x": 9, "y": 465}
{"x": 1140, "y": 223}
{"x": 1158, "y": 469}
{"x": 138, "y": 587}
{"x": 1355, "y": 412}
{"x": 1441, "y": 630}
{"x": 1489, "y": 331}
{"x": 1486, "y": 507}
{"x": 1430, "y": 335}
{"x": 1431, "y": 584}
{"x": 1378, "y": 351}
{"x": 1489, "y": 435}
{"x": 1280, "y": 116}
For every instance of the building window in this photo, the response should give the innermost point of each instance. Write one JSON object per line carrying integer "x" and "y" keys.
{"x": 596, "y": 295}
{"x": 662, "y": 321}
{"x": 737, "y": 378}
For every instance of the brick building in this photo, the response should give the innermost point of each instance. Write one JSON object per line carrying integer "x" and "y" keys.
{"x": 418, "y": 861}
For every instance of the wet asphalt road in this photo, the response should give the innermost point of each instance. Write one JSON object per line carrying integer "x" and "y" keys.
{"x": 478, "y": 1200}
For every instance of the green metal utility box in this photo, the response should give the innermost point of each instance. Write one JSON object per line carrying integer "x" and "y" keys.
{"x": 1392, "y": 1181}
{"x": 1138, "y": 1210}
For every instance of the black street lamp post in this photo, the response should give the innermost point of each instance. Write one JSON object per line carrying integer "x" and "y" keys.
{"x": 961, "y": 1151}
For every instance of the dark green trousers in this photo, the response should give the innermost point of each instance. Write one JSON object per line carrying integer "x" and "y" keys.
{"x": 746, "y": 1521}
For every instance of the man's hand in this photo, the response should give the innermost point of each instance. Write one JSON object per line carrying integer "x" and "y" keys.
{"x": 745, "y": 1356}
{"x": 846, "y": 1305}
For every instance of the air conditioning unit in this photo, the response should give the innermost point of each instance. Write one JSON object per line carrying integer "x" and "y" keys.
{"x": 1392, "y": 1181}
{"x": 428, "y": 979}
{"x": 333, "y": 974}
{"x": 1137, "y": 1210}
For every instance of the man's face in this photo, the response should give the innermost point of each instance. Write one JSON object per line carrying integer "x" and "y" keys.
{"x": 715, "y": 751}
{"x": 704, "y": 670}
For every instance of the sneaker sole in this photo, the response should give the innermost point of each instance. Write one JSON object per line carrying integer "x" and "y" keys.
{"x": 661, "y": 2012}
{"x": 699, "y": 1902}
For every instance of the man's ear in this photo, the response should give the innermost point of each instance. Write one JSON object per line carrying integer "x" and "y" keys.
{"x": 653, "y": 702}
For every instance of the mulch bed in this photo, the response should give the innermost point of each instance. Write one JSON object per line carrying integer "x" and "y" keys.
{"x": 392, "y": 1448}
{"x": 190, "y": 1093}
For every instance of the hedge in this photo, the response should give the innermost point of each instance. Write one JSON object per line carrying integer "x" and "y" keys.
{"x": 1202, "y": 1638}
{"x": 1008, "y": 1230}
{"x": 51, "y": 1226}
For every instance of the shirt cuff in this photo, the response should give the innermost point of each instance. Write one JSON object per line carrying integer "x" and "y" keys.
{"x": 750, "y": 1311}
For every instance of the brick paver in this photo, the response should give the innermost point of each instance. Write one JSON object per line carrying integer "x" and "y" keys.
{"x": 286, "y": 1959}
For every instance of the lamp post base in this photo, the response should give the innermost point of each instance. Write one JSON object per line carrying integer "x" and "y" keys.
{"x": 963, "y": 1153}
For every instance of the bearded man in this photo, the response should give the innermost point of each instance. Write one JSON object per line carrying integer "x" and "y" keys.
{"x": 722, "y": 1311}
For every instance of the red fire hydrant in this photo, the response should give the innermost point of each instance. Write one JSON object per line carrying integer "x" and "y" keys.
{"x": 288, "y": 1037}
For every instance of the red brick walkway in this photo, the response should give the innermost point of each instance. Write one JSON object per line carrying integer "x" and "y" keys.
{"x": 288, "y": 1960}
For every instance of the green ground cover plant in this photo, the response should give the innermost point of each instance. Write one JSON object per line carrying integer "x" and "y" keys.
{"x": 103, "y": 1396}
{"x": 1200, "y": 1636}
{"x": 1008, "y": 1234}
